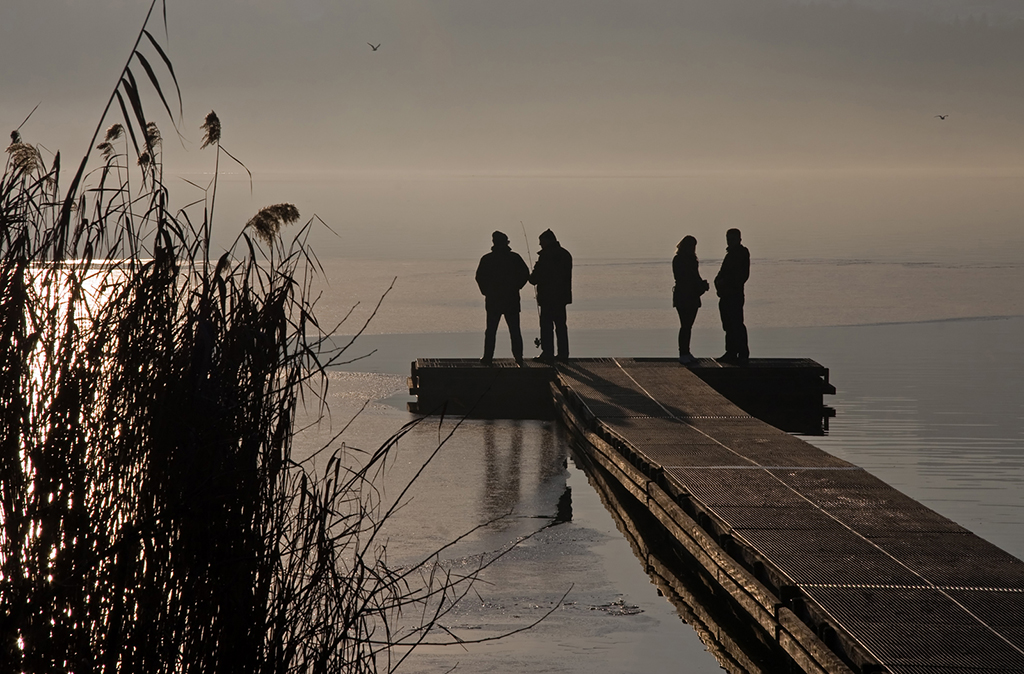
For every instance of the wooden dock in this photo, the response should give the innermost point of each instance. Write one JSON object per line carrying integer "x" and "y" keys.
{"x": 834, "y": 567}
{"x": 786, "y": 392}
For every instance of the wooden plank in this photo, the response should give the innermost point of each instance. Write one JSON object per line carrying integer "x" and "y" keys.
{"x": 820, "y": 531}
{"x": 759, "y": 603}
{"x": 689, "y": 533}
{"x": 701, "y": 608}
{"x": 799, "y": 641}
{"x": 789, "y": 392}
{"x": 795, "y": 536}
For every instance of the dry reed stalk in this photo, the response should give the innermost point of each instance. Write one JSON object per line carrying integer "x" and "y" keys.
{"x": 152, "y": 517}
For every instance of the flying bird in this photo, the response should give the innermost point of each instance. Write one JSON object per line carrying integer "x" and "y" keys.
{"x": 942, "y": 116}
{"x": 374, "y": 48}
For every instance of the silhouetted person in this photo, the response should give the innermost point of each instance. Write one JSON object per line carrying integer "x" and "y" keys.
{"x": 686, "y": 293}
{"x": 553, "y": 277}
{"x": 500, "y": 275}
{"x": 729, "y": 284}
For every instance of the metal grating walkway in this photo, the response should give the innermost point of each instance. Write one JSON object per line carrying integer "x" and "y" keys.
{"x": 885, "y": 582}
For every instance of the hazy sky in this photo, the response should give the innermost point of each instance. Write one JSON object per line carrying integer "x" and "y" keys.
{"x": 544, "y": 85}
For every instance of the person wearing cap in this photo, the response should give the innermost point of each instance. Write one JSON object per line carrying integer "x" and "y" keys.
{"x": 553, "y": 277}
{"x": 500, "y": 276}
{"x": 729, "y": 284}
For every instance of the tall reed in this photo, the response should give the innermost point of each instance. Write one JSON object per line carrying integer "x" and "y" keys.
{"x": 152, "y": 516}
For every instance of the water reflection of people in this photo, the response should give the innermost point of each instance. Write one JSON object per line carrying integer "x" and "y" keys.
{"x": 503, "y": 465}
{"x": 553, "y": 277}
{"x": 686, "y": 293}
{"x": 563, "y": 509}
{"x": 514, "y": 450}
{"x": 729, "y": 283}
{"x": 500, "y": 275}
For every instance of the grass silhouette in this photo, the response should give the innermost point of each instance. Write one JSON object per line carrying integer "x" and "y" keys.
{"x": 152, "y": 516}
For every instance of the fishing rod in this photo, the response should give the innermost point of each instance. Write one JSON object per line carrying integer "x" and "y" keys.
{"x": 536, "y": 340}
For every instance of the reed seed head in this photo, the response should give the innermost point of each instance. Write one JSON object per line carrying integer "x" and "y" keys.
{"x": 114, "y": 132}
{"x": 98, "y": 514}
{"x": 211, "y": 129}
{"x": 153, "y": 138}
{"x": 25, "y": 158}
{"x": 107, "y": 149}
{"x": 268, "y": 220}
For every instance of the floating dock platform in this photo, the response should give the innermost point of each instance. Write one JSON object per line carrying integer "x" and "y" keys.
{"x": 836, "y": 569}
{"x": 785, "y": 392}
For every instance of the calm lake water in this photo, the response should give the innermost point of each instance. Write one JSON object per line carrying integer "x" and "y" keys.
{"x": 915, "y": 406}
{"x": 924, "y": 347}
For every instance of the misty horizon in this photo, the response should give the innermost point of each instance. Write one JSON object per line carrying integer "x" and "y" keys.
{"x": 652, "y": 87}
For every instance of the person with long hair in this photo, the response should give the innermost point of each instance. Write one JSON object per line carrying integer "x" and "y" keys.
{"x": 686, "y": 293}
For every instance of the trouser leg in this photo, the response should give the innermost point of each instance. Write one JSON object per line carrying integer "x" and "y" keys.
{"x": 742, "y": 348}
{"x": 739, "y": 329}
{"x": 512, "y": 321}
{"x": 547, "y": 330}
{"x": 724, "y": 313}
{"x": 686, "y": 318}
{"x": 731, "y": 309}
{"x": 561, "y": 330}
{"x": 491, "y": 333}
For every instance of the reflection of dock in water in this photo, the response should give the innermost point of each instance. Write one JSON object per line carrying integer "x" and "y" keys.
{"x": 817, "y": 558}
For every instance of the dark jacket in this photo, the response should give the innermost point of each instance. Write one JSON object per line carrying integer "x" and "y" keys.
{"x": 553, "y": 277}
{"x": 500, "y": 275}
{"x": 689, "y": 285}
{"x": 734, "y": 272}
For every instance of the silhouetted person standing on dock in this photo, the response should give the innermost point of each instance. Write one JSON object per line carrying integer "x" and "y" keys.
{"x": 500, "y": 275}
{"x": 729, "y": 283}
{"x": 553, "y": 277}
{"x": 686, "y": 293}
